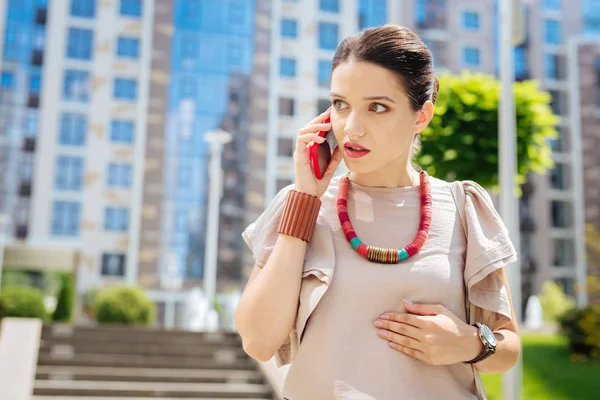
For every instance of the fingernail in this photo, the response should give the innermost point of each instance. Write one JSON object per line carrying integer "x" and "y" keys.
{"x": 384, "y": 316}
{"x": 379, "y": 324}
{"x": 407, "y": 301}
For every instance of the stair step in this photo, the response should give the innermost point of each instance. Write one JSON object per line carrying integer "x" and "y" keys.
{"x": 103, "y": 338}
{"x": 139, "y": 398}
{"x": 151, "y": 389}
{"x": 139, "y": 348}
{"x": 142, "y": 333}
{"x": 86, "y": 359}
{"x": 146, "y": 374}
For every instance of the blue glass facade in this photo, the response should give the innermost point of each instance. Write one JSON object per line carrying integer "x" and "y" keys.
{"x": 21, "y": 83}
{"x": 590, "y": 11}
{"x": 211, "y": 62}
{"x": 371, "y": 13}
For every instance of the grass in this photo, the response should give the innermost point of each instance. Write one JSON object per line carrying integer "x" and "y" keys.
{"x": 548, "y": 373}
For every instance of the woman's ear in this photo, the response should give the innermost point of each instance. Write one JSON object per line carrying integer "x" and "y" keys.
{"x": 424, "y": 116}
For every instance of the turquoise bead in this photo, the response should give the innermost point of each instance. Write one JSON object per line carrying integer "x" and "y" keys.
{"x": 355, "y": 242}
{"x": 403, "y": 254}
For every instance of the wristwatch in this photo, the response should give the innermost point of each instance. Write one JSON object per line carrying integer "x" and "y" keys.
{"x": 489, "y": 342}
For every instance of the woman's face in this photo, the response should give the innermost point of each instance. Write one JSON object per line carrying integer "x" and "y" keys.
{"x": 372, "y": 119}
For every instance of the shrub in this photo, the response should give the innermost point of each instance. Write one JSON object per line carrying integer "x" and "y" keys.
{"x": 582, "y": 326}
{"x": 124, "y": 305}
{"x": 554, "y": 301}
{"x": 64, "y": 306}
{"x": 22, "y": 301}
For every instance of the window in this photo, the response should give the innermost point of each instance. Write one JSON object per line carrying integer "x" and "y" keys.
{"x": 471, "y": 56}
{"x": 65, "y": 218}
{"x": 323, "y": 105}
{"x": 116, "y": 219}
{"x": 121, "y": 131}
{"x": 8, "y": 81}
{"x": 430, "y": 14}
{"x": 35, "y": 83}
{"x": 558, "y": 177}
{"x": 125, "y": 89}
{"x": 73, "y": 129}
{"x": 552, "y": 32}
{"x": 324, "y": 72}
{"x": 79, "y": 43}
{"x": 372, "y": 13}
{"x": 520, "y": 63}
{"x": 558, "y": 145}
{"x": 128, "y": 47}
{"x": 287, "y": 67}
{"x": 131, "y": 8}
{"x": 289, "y": 28}
{"x": 69, "y": 173}
{"x": 561, "y": 216}
{"x": 83, "y": 8}
{"x": 552, "y": 5}
{"x": 119, "y": 175}
{"x": 590, "y": 11}
{"x": 555, "y": 103}
{"x": 471, "y": 20}
{"x": 567, "y": 285}
{"x": 286, "y": 147}
{"x": 113, "y": 264}
{"x": 328, "y": 35}
{"x": 329, "y": 5}
{"x": 76, "y": 85}
{"x": 286, "y": 107}
{"x": 551, "y": 66}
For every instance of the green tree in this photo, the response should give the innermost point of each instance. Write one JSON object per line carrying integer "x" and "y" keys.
{"x": 461, "y": 141}
{"x": 64, "y": 306}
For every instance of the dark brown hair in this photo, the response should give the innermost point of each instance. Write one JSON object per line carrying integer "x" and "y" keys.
{"x": 399, "y": 50}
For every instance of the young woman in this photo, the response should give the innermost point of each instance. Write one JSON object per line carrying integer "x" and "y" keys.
{"x": 360, "y": 280}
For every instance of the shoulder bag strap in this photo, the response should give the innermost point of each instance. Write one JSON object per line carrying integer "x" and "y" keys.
{"x": 458, "y": 192}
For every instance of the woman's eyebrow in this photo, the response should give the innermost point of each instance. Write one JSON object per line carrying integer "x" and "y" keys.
{"x": 370, "y": 98}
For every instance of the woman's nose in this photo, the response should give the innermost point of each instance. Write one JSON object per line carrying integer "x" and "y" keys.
{"x": 353, "y": 128}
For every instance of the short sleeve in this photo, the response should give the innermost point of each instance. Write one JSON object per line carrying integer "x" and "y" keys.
{"x": 489, "y": 249}
{"x": 319, "y": 262}
{"x": 261, "y": 235}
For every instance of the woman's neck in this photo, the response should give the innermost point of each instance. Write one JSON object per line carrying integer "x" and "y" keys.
{"x": 389, "y": 176}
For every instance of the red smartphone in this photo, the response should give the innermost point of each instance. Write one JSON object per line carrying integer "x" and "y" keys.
{"x": 320, "y": 153}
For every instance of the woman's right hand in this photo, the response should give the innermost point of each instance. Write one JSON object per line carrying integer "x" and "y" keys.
{"x": 306, "y": 181}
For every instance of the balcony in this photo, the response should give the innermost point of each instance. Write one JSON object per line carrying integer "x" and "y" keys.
{"x": 29, "y": 144}
{"x": 41, "y": 16}
{"x": 25, "y": 189}
{"x": 37, "y": 57}
{"x": 34, "y": 100}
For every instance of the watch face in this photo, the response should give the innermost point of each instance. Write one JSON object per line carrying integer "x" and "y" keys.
{"x": 488, "y": 335}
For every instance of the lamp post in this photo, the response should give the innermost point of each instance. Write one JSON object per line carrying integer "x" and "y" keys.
{"x": 4, "y": 221}
{"x": 511, "y": 33}
{"x": 217, "y": 140}
{"x": 171, "y": 281}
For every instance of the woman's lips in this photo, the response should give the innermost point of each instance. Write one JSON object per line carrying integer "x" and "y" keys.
{"x": 355, "y": 150}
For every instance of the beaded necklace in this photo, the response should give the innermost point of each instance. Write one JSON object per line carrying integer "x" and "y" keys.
{"x": 377, "y": 254}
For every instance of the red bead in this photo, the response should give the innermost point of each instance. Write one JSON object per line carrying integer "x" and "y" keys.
{"x": 363, "y": 250}
{"x": 350, "y": 235}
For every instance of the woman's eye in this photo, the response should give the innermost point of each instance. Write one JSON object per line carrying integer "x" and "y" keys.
{"x": 378, "y": 108}
{"x": 338, "y": 104}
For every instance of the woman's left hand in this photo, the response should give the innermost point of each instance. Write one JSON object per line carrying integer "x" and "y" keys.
{"x": 431, "y": 333}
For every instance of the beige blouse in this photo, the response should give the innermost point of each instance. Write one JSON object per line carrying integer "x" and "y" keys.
{"x": 334, "y": 349}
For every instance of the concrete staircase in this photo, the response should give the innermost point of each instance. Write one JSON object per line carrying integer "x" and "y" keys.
{"x": 123, "y": 363}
